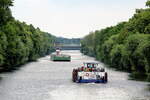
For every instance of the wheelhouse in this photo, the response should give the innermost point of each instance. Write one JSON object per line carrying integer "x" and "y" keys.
{"x": 90, "y": 64}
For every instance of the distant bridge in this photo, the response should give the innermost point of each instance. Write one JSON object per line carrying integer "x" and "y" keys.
{"x": 68, "y": 46}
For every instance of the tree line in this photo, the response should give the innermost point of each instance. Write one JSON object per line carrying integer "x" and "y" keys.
{"x": 19, "y": 42}
{"x": 61, "y": 40}
{"x": 125, "y": 46}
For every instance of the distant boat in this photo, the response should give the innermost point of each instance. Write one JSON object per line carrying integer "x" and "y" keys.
{"x": 57, "y": 56}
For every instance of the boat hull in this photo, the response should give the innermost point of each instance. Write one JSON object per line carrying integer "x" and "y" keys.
{"x": 91, "y": 81}
{"x": 60, "y": 58}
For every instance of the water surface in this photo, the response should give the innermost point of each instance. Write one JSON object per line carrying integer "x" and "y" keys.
{"x": 47, "y": 80}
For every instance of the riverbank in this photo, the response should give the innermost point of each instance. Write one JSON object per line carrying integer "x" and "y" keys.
{"x": 5, "y": 69}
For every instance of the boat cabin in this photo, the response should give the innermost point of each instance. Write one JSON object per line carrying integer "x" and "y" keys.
{"x": 90, "y": 65}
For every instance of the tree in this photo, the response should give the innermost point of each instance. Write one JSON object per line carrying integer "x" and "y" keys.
{"x": 148, "y": 3}
{"x": 3, "y": 47}
{"x": 5, "y": 13}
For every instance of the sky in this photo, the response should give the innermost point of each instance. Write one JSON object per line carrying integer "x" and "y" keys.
{"x": 74, "y": 18}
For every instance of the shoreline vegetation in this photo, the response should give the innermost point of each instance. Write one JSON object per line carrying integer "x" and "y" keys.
{"x": 20, "y": 43}
{"x": 125, "y": 47}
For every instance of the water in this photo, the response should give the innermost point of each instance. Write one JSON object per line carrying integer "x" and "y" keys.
{"x": 47, "y": 80}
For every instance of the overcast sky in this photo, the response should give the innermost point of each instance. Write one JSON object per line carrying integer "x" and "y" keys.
{"x": 74, "y": 18}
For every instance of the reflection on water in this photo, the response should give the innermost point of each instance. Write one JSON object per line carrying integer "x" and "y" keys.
{"x": 47, "y": 80}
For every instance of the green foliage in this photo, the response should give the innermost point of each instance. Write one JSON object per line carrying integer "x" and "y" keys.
{"x": 88, "y": 45}
{"x": 134, "y": 45}
{"x": 3, "y": 46}
{"x": 116, "y": 56}
{"x": 5, "y": 13}
{"x": 125, "y": 46}
{"x": 148, "y": 3}
{"x": 107, "y": 47}
{"x": 20, "y": 43}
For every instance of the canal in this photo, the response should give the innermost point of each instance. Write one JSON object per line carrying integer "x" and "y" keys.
{"x": 47, "y": 80}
